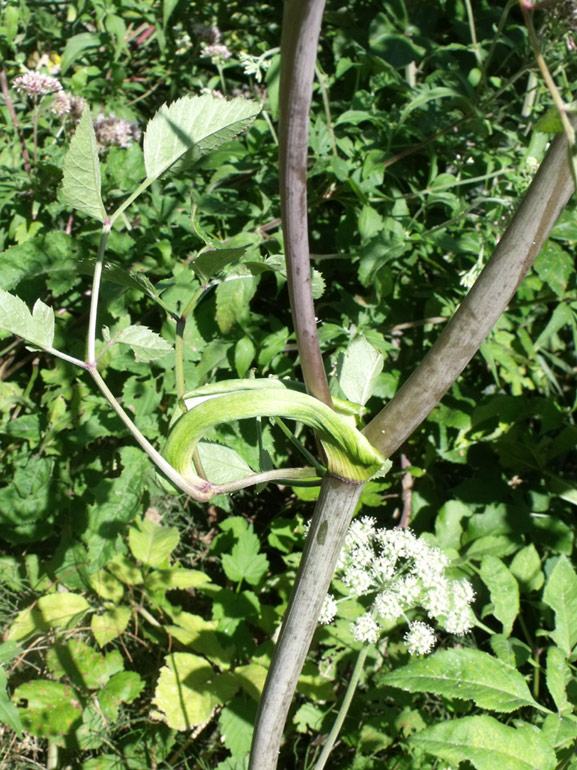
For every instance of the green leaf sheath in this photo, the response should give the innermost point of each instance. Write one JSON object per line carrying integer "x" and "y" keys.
{"x": 349, "y": 455}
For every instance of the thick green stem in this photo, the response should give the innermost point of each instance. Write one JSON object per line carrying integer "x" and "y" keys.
{"x": 333, "y": 513}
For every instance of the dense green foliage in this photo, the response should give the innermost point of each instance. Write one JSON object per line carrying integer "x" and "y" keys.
{"x": 115, "y": 595}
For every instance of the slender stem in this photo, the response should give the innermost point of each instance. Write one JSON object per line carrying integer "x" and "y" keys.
{"x": 35, "y": 114}
{"x": 551, "y": 86}
{"x": 66, "y": 357}
{"x": 52, "y": 756}
{"x": 300, "y": 35}
{"x": 333, "y": 513}
{"x": 131, "y": 198}
{"x": 344, "y": 709}
{"x": 300, "y": 448}
{"x": 200, "y": 492}
{"x": 179, "y": 344}
{"x": 471, "y": 20}
{"x": 546, "y": 198}
{"x": 15, "y": 123}
{"x": 322, "y": 81}
{"x": 91, "y": 343}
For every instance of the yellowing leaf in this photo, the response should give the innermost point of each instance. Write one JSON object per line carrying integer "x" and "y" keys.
{"x": 53, "y": 611}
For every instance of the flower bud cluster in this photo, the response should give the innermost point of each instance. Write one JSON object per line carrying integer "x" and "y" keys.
{"x": 401, "y": 573}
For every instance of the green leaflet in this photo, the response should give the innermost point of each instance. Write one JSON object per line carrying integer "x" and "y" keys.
{"x": 350, "y": 456}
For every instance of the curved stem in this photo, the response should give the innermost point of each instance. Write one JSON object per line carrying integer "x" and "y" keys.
{"x": 202, "y": 492}
{"x": 333, "y": 513}
{"x": 300, "y": 35}
{"x": 522, "y": 241}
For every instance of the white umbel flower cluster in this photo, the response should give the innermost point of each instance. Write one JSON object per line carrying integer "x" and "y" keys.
{"x": 402, "y": 573}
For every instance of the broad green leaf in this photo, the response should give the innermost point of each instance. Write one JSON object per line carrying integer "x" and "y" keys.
{"x": 125, "y": 570}
{"x": 111, "y": 624}
{"x": 59, "y": 610}
{"x": 183, "y": 692}
{"x": 8, "y": 650}
{"x": 210, "y": 263}
{"x": 168, "y": 7}
{"x": 146, "y": 344}
{"x": 81, "y": 179}
{"x": 561, "y": 595}
{"x": 560, "y": 732}
{"x": 558, "y": 675}
{"x": 561, "y": 316}
{"x": 554, "y": 266}
{"x": 151, "y": 543}
{"x": 233, "y": 296}
{"x": 487, "y": 744}
{"x": 202, "y": 636}
{"x": 526, "y": 567}
{"x": 8, "y": 713}
{"x": 550, "y": 122}
{"x": 175, "y": 577}
{"x": 53, "y": 709}
{"x": 221, "y": 463}
{"x": 236, "y": 725}
{"x": 360, "y": 367}
{"x": 107, "y": 586}
{"x": 244, "y": 353}
{"x": 36, "y": 327}
{"x": 510, "y": 650}
{"x": 84, "y": 666}
{"x": 465, "y": 674}
{"x": 116, "y": 502}
{"x": 75, "y": 47}
{"x": 191, "y": 127}
{"x": 252, "y": 678}
{"x": 245, "y": 562}
{"x": 504, "y": 591}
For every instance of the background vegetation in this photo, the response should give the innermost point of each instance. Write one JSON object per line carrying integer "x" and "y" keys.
{"x": 422, "y": 140}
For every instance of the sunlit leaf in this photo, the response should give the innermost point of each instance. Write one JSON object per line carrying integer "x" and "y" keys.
{"x": 81, "y": 181}
{"x": 191, "y": 127}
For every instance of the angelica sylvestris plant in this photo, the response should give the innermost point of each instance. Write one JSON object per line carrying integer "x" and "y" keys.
{"x": 400, "y": 575}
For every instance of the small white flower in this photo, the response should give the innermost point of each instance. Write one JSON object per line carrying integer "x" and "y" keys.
{"x": 389, "y": 605}
{"x": 420, "y": 638}
{"x": 365, "y": 629}
{"x": 329, "y": 610}
{"x": 358, "y": 579}
{"x": 403, "y": 573}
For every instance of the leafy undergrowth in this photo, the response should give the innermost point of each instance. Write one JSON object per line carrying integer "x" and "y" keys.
{"x": 138, "y": 623}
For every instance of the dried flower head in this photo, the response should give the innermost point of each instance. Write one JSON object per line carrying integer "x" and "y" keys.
{"x": 36, "y": 84}
{"x": 206, "y": 33}
{"x": 115, "y": 131}
{"x": 401, "y": 573}
{"x": 64, "y": 104}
